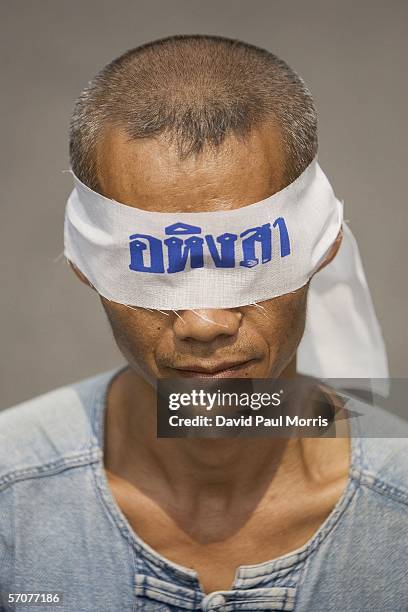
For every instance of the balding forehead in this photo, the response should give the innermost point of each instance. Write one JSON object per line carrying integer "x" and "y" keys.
{"x": 149, "y": 173}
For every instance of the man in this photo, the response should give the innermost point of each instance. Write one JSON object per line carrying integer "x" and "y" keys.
{"x": 92, "y": 504}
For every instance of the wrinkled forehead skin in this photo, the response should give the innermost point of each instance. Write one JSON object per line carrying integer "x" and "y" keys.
{"x": 149, "y": 174}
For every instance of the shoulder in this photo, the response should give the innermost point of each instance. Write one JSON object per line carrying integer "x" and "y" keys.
{"x": 50, "y": 430}
{"x": 382, "y": 460}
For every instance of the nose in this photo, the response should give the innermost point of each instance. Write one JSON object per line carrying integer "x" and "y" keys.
{"x": 205, "y": 325}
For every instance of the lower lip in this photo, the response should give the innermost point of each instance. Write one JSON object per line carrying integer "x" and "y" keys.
{"x": 234, "y": 372}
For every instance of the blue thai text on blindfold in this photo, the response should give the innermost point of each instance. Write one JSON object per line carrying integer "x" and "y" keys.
{"x": 222, "y": 249}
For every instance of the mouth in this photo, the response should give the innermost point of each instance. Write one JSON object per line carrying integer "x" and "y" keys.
{"x": 222, "y": 370}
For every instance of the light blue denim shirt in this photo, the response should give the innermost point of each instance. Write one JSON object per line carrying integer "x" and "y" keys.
{"x": 61, "y": 529}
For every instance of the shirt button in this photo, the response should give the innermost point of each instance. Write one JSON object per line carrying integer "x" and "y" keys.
{"x": 215, "y": 602}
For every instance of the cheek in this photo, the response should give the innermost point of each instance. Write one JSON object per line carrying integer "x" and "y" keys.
{"x": 284, "y": 319}
{"x": 136, "y": 331}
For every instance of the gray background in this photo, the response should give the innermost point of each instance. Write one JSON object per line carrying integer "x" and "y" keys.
{"x": 351, "y": 54}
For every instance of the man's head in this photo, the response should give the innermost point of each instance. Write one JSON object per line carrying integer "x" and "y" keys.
{"x": 194, "y": 124}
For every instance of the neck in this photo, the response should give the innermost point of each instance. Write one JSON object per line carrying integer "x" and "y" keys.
{"x": 191, "y": 468}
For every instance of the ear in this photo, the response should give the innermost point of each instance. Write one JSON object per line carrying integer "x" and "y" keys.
{"x": 79, "y": 274}
{"x": 332, "y": 252}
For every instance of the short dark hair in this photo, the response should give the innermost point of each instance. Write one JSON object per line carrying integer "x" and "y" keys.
{"x": 196, "y": 89}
